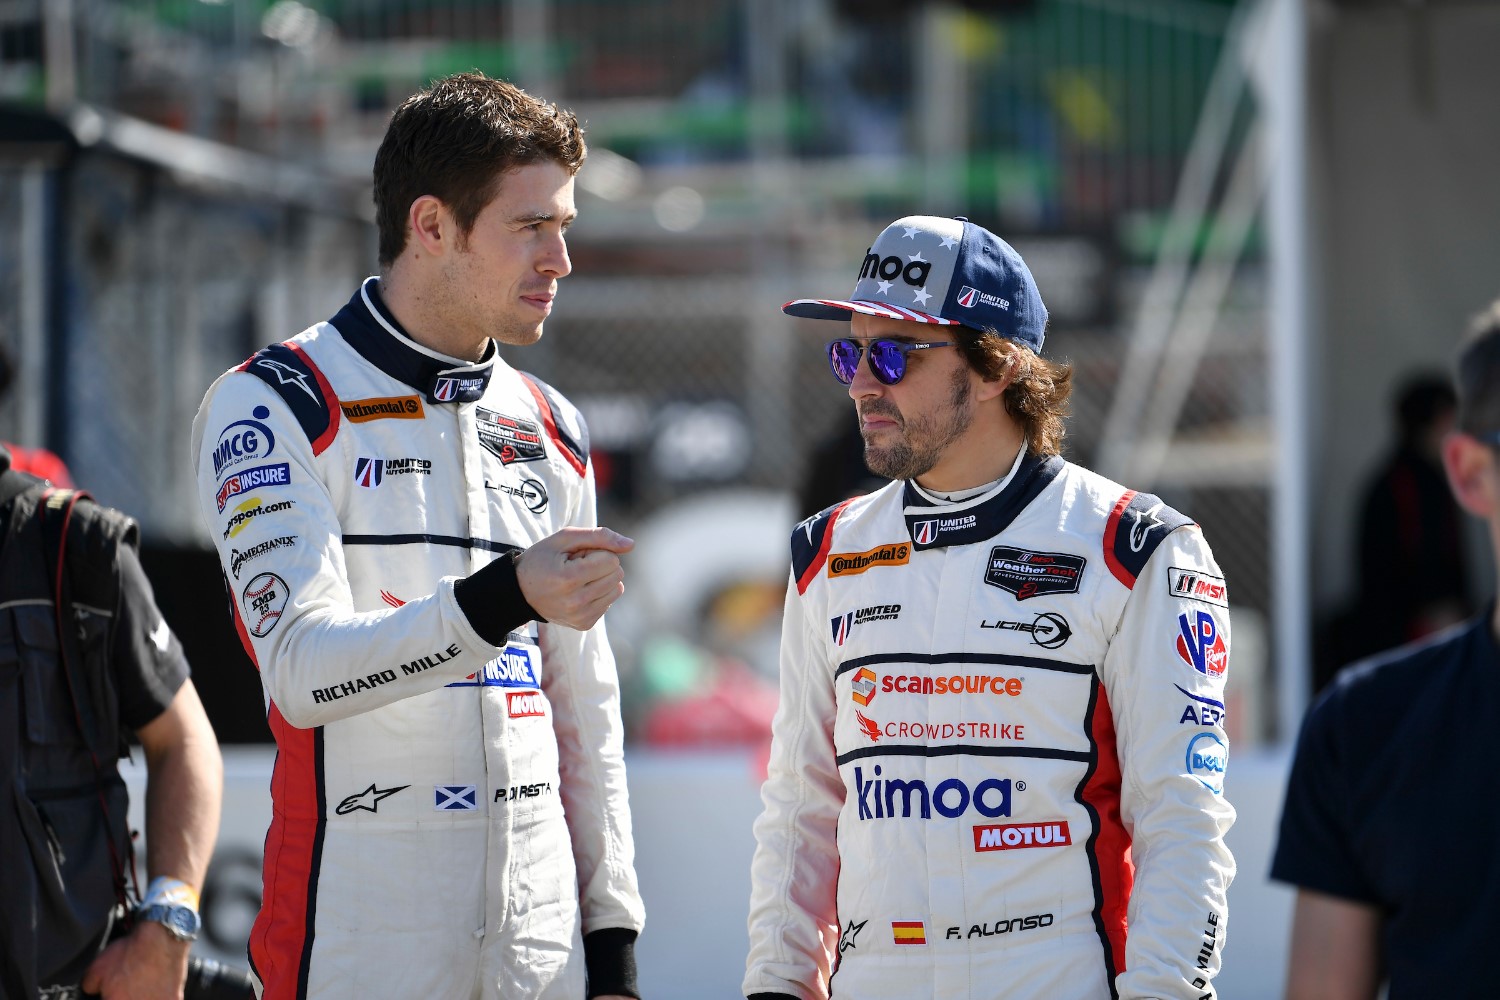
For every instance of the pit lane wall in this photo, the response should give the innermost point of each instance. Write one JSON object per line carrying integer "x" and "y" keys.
{"x": 693, "y": 814}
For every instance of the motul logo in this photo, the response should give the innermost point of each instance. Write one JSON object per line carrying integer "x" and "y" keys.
{"x": 524, "y": 704}
{"x": 1014, "y": 836}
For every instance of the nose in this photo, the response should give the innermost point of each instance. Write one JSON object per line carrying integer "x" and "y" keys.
{"x": 554, "y": 259}
{"x": 865, "y": 385}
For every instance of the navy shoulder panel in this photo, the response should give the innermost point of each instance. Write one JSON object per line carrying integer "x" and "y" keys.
{"x": 552, "y": 404}
{"x": 810, "y": 543}
{"x": 291, "y": 373}
{"x": 1137, "y": 525}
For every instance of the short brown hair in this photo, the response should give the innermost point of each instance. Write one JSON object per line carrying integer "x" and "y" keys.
{"x": 455, "y": 140}
{"x": 1477, "y": 372}
{"x": 1037, "y": 397}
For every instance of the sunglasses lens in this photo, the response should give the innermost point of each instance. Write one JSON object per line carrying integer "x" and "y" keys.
{"x": 888, "y": 361}
{"x": 843, "y": 358}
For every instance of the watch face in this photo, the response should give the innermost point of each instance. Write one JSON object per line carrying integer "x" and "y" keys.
{"x": 185, "y": 921}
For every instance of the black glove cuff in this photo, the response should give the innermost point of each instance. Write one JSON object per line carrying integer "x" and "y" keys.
{"x": 491, "y": 599}
{"x": 609, "y": 955}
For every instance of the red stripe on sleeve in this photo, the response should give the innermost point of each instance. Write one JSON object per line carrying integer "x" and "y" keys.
{"x": 1110, "y": 527}
{"x": 1111, "y": 845}
{"x": 280, "y": 935}
{"x": 550, "y": 423}
{"x": 330, "y": 400}
{"x": 817, "y": 563}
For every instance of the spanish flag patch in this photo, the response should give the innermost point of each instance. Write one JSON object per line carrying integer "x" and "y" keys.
{"x": 909, "y": 932}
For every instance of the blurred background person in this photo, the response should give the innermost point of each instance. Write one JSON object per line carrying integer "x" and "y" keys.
{"x": 86, "y": 663}
{"x": 1413, "y": 572}
{"x": 1393, "y": 765}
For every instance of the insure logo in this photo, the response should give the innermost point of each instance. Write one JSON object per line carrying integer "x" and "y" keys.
{"x": 253, "y": 479}
{"x": 950, "y": 797}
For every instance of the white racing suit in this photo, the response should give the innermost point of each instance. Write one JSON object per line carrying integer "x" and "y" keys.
{"x": 419, "y": 845}
{"x": 998, "y": 762}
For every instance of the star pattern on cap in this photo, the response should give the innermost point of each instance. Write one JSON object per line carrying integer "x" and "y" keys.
{"x": 911, "y": 232}
{"x": 917, "y": 258}
{"x": 885, "y": 287}
{"x": 922, "y": 296}
{"x": 949, "y": 241}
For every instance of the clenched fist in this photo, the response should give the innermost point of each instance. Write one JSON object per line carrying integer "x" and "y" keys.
{"x": 573, "y": 576}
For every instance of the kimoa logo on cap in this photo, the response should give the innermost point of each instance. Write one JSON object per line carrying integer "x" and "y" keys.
{"x": 914, "y": 272}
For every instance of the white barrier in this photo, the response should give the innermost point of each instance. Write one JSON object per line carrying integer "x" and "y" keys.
{"x": 693, "y": 813}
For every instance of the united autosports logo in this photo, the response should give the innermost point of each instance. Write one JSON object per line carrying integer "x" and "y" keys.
{"x": 926, "y": 532}
{"x": 845, "y": 623}
{"x": 1200, "y": 645}
{"x": 369, "y": 472}
{"x": 447, "y": 388}
{"x": 969, "y": 297}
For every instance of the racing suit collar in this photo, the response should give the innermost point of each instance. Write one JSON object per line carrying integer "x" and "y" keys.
{"x": 367, "y": 325}
{"x": 934, "y": 525}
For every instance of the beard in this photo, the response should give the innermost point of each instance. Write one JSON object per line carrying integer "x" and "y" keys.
{"x": 923, "y": 439}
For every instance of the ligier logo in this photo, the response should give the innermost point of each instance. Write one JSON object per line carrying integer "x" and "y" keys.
{"x": 863, "y": 686}
{"x": 969, "y": 297}
{"x": 854, "y": 563}
{"x": 253, "y": 479}
{"x": 880, "y": 797}
{"x": 1200, "y": 645}
{"x": 1017, "y": 836}
{"x": 525, "y": 704}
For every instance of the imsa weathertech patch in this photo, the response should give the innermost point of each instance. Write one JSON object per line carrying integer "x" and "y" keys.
{"x": 1028, "y": 574}
{"x": 854, "y": 563}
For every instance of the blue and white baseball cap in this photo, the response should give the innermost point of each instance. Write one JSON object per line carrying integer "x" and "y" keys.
{"x": 945, "y": 271}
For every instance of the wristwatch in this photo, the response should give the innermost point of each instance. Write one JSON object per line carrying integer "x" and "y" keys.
{"x": 182, "y": 920}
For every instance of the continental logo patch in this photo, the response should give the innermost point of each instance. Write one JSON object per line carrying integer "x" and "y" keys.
{"x": 383, "y": 408}
{"x": 854, "y": 563}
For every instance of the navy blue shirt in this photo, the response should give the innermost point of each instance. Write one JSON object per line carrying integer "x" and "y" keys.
{"x": 1394, "y": 801}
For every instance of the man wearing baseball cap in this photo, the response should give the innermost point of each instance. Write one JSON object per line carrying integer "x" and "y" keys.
{"x": 998, "y": 763}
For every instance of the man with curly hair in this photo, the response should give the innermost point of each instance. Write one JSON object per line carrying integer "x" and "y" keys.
{"x": 407, "y": 524}
{"x": 998, "y": 764}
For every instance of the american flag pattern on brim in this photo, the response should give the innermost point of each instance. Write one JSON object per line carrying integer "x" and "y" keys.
{"x": 841, "y": 308}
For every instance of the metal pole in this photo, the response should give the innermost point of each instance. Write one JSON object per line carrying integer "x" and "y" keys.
{"x": 57, "y": 50}
{"x": 1281, "y": 77}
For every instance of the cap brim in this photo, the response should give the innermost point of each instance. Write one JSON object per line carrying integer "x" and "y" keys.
{"x": 840, "y": 309}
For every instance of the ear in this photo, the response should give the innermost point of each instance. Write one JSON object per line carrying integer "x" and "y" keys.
{"x": 985, "y": 389}
{"x": 431, "y": 231}
{"x": 1471, "y": 474}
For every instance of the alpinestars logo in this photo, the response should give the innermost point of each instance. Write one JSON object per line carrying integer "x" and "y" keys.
{"x": 369, "y": 800}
